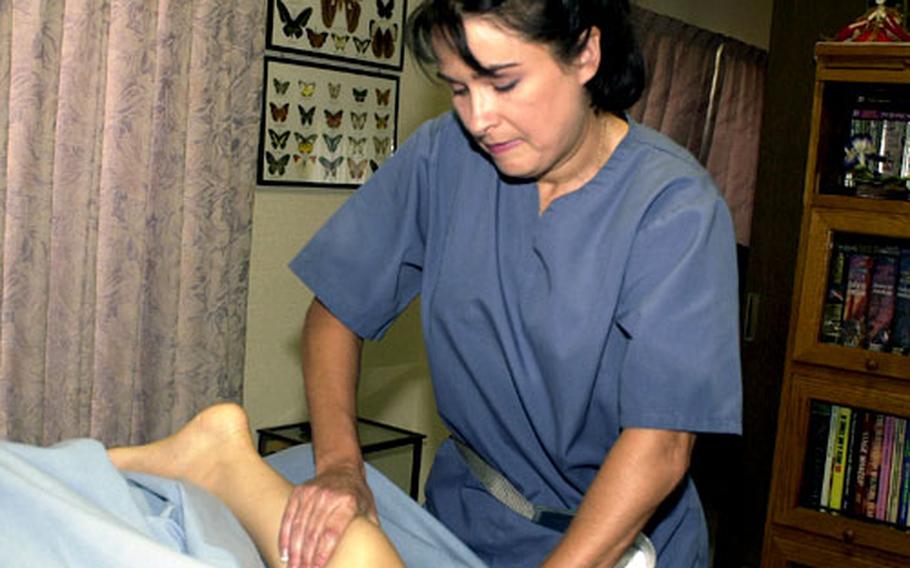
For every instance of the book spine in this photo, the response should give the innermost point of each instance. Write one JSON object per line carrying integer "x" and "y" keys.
{"x": 839, "y": 461}
{"x": 833, "y": 421}
{"x": 859, "y": 275}
{"x": 881, "y": 299}
{"x": 858, "y": 507}
{"x": 900, "y": 341}
{"x": 897, "y": 465}
{"x": 853, "y": 442}
{"x": 904, "y": 506}
{"x": 884, "y": 474}
{"x": 833, "y": 310}
{"x": 873, "y": 466}
{"x": 816, "y": 451}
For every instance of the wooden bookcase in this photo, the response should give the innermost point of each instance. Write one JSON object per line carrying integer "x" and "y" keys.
{"x": 838, "y": 215}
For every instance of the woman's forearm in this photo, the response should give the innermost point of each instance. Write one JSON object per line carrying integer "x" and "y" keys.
{"x": 642, "y": 468}
{"x": 330, "y": 356}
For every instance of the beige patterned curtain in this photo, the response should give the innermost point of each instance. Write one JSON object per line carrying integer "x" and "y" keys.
{"x": 705, "y": 91}
{"x": 127, "y": 167}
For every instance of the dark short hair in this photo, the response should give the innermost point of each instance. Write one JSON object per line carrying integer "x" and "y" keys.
{"x": 563, "y": 25}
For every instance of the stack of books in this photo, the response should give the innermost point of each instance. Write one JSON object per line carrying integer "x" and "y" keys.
{"x": 867, "y": 302}
{"x": 857, "y": 464}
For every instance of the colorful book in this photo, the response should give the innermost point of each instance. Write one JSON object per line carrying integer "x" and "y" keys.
{"x": 881, "y": 299}
{"x": 816, "y": 454}
{"x": 859, "y": 277}
{"x": 834, "y": 419}
{"x": 900, "y": 336}
{"x": 897, "y": 466}
{"x": 858, "y": 507}
{"x": 839, "y": 459}
{"x": 873, "y": 466}
{"x": 833, "y": 310}
{"x": 853, "y": 442}
{"x": 904, "y": 505}
{"x": 884, "y": 473}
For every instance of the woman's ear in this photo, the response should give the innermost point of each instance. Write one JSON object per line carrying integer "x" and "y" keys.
{"x": 588, "y": 61}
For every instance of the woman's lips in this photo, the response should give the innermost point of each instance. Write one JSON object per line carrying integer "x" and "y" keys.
{"x": 502, "y": 147}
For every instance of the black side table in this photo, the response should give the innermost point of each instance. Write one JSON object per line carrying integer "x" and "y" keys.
{"x": 374, "y": 437}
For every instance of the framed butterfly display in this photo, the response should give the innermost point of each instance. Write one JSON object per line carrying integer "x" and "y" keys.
{"x": 359, "y": 31}
{"x": 324, "y": 126}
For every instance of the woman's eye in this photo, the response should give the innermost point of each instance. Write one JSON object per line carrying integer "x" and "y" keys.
{"x": 504, "y": 87}
{"x": 458, "y": 90}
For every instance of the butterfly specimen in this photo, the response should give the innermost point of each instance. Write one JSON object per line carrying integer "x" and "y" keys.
{"x": 352, "y": 14}
{"x": 332, "y": 142}
{"x": 357, "y": 169}
{"x": 333, "y": 120}
{"x": 316, "y": 39}
{"x": 382, "y": 122}
{"x": 277, "y": 165}
{"x": 360, "y": 95}
{"x": 359, "y": 119}
{"x": 306, "y": 116}
{"x": 382, "y": 96}
{"x": 293, "y": 26}
{"x": 279, "y": 113}
{"x": 340, "y": 41}
{"x": 306, "y": 89}
{"x": 331, "y": 166}
{"x": 279, "y": 140}
{"x": 355, "y": 145}
{"x": 305, "y": 143}
{"x": 281, "y": 87}
{"x": 383, "y": 146}
{"x": 383, "y": 40}
{"x": 362, "y": 44}
{"x": 385, "y": 11}
{"x": 329, "y": 7}
{"x": 334, "y": 90}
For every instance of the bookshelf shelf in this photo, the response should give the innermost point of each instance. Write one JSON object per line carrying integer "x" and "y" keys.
{"x": 859, "y": 204}
{"x": 848, "y": 356}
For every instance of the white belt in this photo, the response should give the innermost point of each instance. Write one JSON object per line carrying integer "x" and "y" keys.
{"x": 641, "y": 554}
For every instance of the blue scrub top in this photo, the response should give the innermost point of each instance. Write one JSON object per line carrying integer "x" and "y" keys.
{"x": 547, "y": 334}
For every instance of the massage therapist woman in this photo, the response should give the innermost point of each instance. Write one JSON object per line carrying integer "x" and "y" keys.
{"x": 577, "y": 281}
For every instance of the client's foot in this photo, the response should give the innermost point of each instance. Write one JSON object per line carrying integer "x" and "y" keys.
{"x": 218, "y": 434}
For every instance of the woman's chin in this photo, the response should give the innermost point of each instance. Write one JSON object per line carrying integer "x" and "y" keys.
{"x": 515, "y": 170}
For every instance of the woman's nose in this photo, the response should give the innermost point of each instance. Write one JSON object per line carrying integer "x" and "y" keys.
{"x": 482, "y": 113}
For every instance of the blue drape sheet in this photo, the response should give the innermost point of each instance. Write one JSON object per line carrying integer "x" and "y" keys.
{"x": 67, "y": 505}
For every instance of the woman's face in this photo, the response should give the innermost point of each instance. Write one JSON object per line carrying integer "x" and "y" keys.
{"x": 531, "y": 114}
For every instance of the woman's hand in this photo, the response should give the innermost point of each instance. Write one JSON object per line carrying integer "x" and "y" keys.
{"x": 319, "y": 511}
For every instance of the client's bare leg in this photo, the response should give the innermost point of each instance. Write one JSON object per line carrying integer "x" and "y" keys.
{"x": 215, "y": 451}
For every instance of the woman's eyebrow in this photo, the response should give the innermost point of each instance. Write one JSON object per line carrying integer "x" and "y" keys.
{"x": 490, "y": 71}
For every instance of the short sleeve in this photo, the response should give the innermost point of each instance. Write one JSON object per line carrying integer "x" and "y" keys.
{"x": 679, "y": 311}
{"x": 365, "y": 264}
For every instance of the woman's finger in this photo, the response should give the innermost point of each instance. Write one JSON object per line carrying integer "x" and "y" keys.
{"x": 311, "y": 528}
{"x": 327, "y": 521}
{"x": 284, "y": 533}
{"x": 300, "y": 531}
